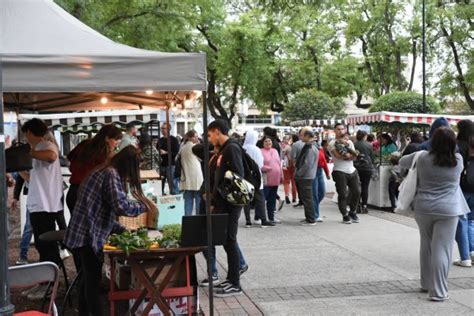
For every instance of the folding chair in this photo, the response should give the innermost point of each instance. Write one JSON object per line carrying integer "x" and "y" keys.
{"x": 33, "y": 274}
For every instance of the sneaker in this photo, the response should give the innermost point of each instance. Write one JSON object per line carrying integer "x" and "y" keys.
{"x": 215, "y": 280}
{"x": 319, "y": 220}
{"x": 280, "y": 206}
{"x": 365, "y": 209}
{"x": 438, "y": 299}
{"x": 243, "y": 269}
{"x": 472, "y": 256}
{"x": 298, "y": 205}
{"x": 267, "y": 224}
{"x": 287, "y": 200}
{"x": 354, "y": 217}
{"x": 463, "y": 263}
{"x": 40, "y": 293}
{"x": 248, "y": 224}
{"x": 230, "y": 290}
{"x": 293, "y": 201}
{"x": 64, "y": 254}
{"x": 276, "y": 221}
{"x": 21, "y": 261}
{"x": 306, "y": 223}
{"x": 346, "y": 219}
{"x": 222, "y": 285}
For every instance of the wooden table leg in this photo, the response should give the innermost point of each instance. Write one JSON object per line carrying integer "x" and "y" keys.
{"x": 149, "y": 285}
{"x": 144, "y": 292}
{"x": 156, "y": 294}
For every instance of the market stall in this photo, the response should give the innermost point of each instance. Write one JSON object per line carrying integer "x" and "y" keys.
{"x": 51, "y": 62}
{"x": 378, "y": 190}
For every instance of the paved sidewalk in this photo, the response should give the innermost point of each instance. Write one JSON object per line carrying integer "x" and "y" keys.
{"x": 370, "y": 268}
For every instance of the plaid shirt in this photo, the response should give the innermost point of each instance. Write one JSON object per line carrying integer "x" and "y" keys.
{"x": 100, "y": 200}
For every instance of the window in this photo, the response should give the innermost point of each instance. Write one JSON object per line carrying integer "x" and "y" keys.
{"x": 181, "y": 128}
{"x": 256, "y": 119}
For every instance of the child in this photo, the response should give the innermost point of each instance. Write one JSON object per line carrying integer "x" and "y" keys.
{"x": 394, "y": 180}
{"x": 342, "y": 147}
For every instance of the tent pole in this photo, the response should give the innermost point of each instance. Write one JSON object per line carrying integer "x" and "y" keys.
{"x": 6, "y": 308}
{"x": 207, "y": 187}
{"x": 168, "y": 144}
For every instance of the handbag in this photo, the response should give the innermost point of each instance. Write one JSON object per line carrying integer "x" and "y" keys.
{"x": 407, "y": 189}
{"x": 18, "y": 158}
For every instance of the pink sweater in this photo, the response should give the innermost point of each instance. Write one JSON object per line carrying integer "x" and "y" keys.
{"x": 272, "y": 167}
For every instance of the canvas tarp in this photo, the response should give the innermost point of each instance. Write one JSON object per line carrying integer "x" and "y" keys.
{"x": 45, "y": 49}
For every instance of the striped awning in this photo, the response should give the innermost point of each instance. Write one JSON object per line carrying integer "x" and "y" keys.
{"x": 323, "y": 122}
{"x": 93, "y": 121}
{"x": 407, "y": 118}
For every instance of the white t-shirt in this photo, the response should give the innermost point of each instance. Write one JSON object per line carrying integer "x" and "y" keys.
{"x": 346, "y": 166}
{"x": 45, "y": 188}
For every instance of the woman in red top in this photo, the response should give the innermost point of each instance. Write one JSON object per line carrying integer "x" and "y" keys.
{"x": 88, "y": 155}
{"x": 319, "y": 185}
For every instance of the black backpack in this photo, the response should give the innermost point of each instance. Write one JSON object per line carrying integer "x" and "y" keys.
{"x": 467, "y": 177}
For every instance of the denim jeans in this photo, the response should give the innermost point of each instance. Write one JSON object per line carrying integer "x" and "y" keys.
{"x": 191, "y": 199}
{"x": 214, "y": 261}
{"x": 271, "y": 194}
{"x": 465, "y": 230}
{"x": 319, "y": 190}
{"x": 26, "y": 237}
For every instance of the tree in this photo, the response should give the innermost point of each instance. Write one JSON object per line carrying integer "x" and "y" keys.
{"x": 405, "y": 102}
{"x": 313, "y": 104}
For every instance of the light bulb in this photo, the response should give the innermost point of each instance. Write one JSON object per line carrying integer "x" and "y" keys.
{"x": 149, "y": 92}
{"x": 104, "y": 100}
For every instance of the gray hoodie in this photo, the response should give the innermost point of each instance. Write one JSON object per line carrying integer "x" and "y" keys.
{"x": 252, "y": 150}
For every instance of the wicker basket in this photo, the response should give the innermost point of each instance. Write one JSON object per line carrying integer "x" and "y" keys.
{"x": 134, "y": 222}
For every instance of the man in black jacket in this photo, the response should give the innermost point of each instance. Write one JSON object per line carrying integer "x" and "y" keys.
{"x": 166, "y": 165}
{"x": 229, "y": 157}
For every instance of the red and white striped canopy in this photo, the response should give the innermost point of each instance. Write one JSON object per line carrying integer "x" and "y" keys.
{"x": 410, "y": 118}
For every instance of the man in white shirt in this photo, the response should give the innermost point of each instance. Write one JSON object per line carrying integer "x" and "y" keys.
{"x": 45, "y": 188}
{"x": 346, "y": 177}
{"x": 130, "y": 137}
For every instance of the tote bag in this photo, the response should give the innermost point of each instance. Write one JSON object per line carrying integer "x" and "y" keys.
{"x": 407, "y": 190}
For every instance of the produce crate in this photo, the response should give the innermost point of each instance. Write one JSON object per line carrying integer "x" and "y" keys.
{"x": 177, "y": 280}
{"x": 170, "y": 210}
{"x": 178, "y": 305}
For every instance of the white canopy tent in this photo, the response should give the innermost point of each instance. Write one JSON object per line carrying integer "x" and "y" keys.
{"x": 50, "y": 61}
{"x": 45, "y": 49}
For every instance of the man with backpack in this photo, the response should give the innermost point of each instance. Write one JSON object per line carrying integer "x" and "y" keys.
{"x": 229, "y": 159}
{"x": 306, "y": 167}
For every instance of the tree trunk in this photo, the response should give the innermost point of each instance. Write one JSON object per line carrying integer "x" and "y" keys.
{"x": 398, "y": 59}
{"x": 460, "y": 77}
{"x": 414, "y": 55}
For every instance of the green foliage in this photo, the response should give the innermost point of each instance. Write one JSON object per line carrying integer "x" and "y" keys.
{"x": 313, "y": 104}
{"x": 406, "y": 102}
{"x": 266, "y": 51}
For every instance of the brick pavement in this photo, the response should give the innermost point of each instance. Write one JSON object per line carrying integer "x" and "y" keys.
{"x": 334, "y": 290}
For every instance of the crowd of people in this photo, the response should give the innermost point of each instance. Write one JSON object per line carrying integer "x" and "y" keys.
{"x": 105, "y": 170}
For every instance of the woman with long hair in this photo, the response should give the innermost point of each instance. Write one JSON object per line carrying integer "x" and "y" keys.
{"x": 288, "y": 169}
{"x": 101, "y": 199}
{"x": 88, "y": 155}
{"x": 191, "y": 173}
{"x": 272, "y": 176}
{"x": 438, "y": 204}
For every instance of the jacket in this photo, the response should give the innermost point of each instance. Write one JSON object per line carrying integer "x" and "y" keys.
{"x": 230, "y": 158}
{"x": 191, "y": 173}
{"x": 271, "y": 167}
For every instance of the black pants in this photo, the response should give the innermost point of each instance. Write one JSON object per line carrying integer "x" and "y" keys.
{"x": 71, "y": 200}
{"x": 89, "y": 291}
{"x": 43, "y": 222}
{"x": 259, "y": 203}
{"x": 231, "y": 247}
{"x": 71, "y": 197}
{"x": 365, "y": 177}
{"x": 393, "y": 192}
{"x": 348, "y": 190}
{"x": 305, "y": 192}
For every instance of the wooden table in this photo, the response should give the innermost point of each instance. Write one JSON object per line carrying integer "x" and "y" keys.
{"x": 155, "y": 293}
